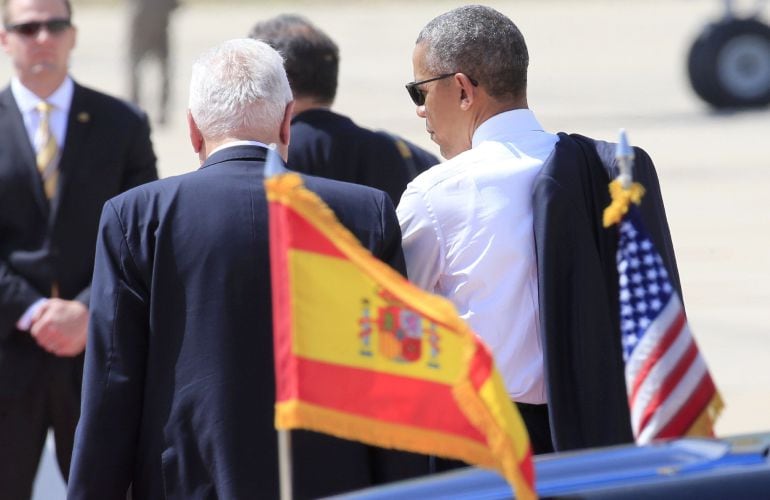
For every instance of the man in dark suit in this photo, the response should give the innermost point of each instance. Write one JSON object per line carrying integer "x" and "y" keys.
{"x": 64, "y": 151}
{"x": 509, "y": 229}
{"x": 323, "y": 142}
{"x": 179, "y": 384}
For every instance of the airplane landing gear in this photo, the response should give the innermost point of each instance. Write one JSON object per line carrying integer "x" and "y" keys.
{"x": 729, "y": 63}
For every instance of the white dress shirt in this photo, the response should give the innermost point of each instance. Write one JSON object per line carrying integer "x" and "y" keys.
{"x": 233, "y": 144}
{"x": 27, "y": 101}
{"x": 61, "y": 100}
{"x": 468, "y": 236}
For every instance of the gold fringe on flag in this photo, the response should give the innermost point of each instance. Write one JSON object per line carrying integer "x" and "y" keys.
{"x": 296, "y": 414}
{"x": 704, "y": 424}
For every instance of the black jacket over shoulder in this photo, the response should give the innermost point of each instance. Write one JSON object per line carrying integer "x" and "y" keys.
{"x": 578, "y": 288}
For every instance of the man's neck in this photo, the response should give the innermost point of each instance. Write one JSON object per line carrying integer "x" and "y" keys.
{"x": 42, "y": 87}
{"x": 307, "y": 103}
{"x": 211, "y": 146}
{"x": 493, "y": 107}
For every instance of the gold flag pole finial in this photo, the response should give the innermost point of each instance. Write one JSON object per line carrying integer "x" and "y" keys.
{"x": 623, "y": 190}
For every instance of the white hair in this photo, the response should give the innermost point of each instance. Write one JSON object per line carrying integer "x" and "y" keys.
{"x": 239, "y": 87}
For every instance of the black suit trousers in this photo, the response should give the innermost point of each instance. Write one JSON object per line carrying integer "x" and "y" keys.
{"x": 52, "y": 400}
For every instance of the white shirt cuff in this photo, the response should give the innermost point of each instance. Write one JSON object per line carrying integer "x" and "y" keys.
{"x": 25, "y": 322}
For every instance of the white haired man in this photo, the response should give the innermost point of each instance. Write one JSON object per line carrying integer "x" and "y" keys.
{"x": 179, "y": 382}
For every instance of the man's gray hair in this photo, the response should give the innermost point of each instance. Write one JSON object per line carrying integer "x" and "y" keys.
{"x": 482, "y": 43}
{"x": 239, "y": 87}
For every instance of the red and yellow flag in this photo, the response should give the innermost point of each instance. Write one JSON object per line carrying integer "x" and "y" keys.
{"x": 362, "y": 354}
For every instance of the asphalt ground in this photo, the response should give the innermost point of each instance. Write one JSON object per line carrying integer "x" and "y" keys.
{"x": 595, "y": 66}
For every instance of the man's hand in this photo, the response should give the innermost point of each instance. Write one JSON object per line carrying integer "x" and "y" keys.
{"x": 61, "y": 327}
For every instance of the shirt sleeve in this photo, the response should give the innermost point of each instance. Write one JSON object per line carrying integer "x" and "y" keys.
{"x": 25, "y": 322}
{"x": 421, "y": 239}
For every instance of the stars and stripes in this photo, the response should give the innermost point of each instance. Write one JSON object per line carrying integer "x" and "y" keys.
{"x": 670, "y": 390}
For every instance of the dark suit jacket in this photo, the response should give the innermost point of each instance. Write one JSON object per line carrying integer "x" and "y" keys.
{"x": 578, "y": 288}
{"x": 330, "y": 145}
{"x": 106, "y": 151}
{"x": 179, "y": 385}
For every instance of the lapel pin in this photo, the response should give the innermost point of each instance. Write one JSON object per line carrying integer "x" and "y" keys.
{"x": 84, "y": 117}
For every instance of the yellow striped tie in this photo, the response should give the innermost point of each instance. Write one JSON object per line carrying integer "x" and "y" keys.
{"x": 48, "y": 151}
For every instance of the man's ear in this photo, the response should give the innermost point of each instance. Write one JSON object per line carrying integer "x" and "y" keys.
{"x": 74, "y": 37}
{"x": 468, "y": 91}
{"x": 284, "y": 134}
{"x": 4, "y": 40}
{"x": 196, "y": 137}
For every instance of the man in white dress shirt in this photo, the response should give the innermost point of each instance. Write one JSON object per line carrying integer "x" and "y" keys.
{"x": 510, "y": 229}
{"x": 467, "y": 223}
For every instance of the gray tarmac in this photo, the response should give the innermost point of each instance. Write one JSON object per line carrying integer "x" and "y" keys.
{"x": 595, "y": 66}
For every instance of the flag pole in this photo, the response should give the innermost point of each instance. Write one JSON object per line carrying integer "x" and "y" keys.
{"x": 624, "y": 154}
{"x": 274, "y": 166}
{"x": 284, "y": 464}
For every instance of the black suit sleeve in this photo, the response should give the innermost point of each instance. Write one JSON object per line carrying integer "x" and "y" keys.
{"x": 391, "y": 252}
{"x": 103, "y": 458}
{"x": 393, "y": 465}
{"x": 140, "y": 165}
{"x": 16, "y": 295}
{"x": 140, "y": 168}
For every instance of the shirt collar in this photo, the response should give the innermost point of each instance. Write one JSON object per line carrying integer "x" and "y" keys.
{"x": 61, "y": 98}
{"x": 233, "y": 144}
{"x": 502, "y": 126}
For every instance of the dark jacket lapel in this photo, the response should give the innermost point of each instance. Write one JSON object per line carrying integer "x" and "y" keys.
{"x": 78, "y": 126}
{"x": 12, "y": 129}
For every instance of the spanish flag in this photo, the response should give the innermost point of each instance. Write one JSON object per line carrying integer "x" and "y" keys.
{"x": 362, "y": 354}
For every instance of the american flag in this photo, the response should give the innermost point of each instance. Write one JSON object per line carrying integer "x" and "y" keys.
{"x": 670, "y": 390}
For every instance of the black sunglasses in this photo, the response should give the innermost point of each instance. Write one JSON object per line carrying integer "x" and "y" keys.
{"x": 53, "y": 26}
{"x": 418, "y": 95}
